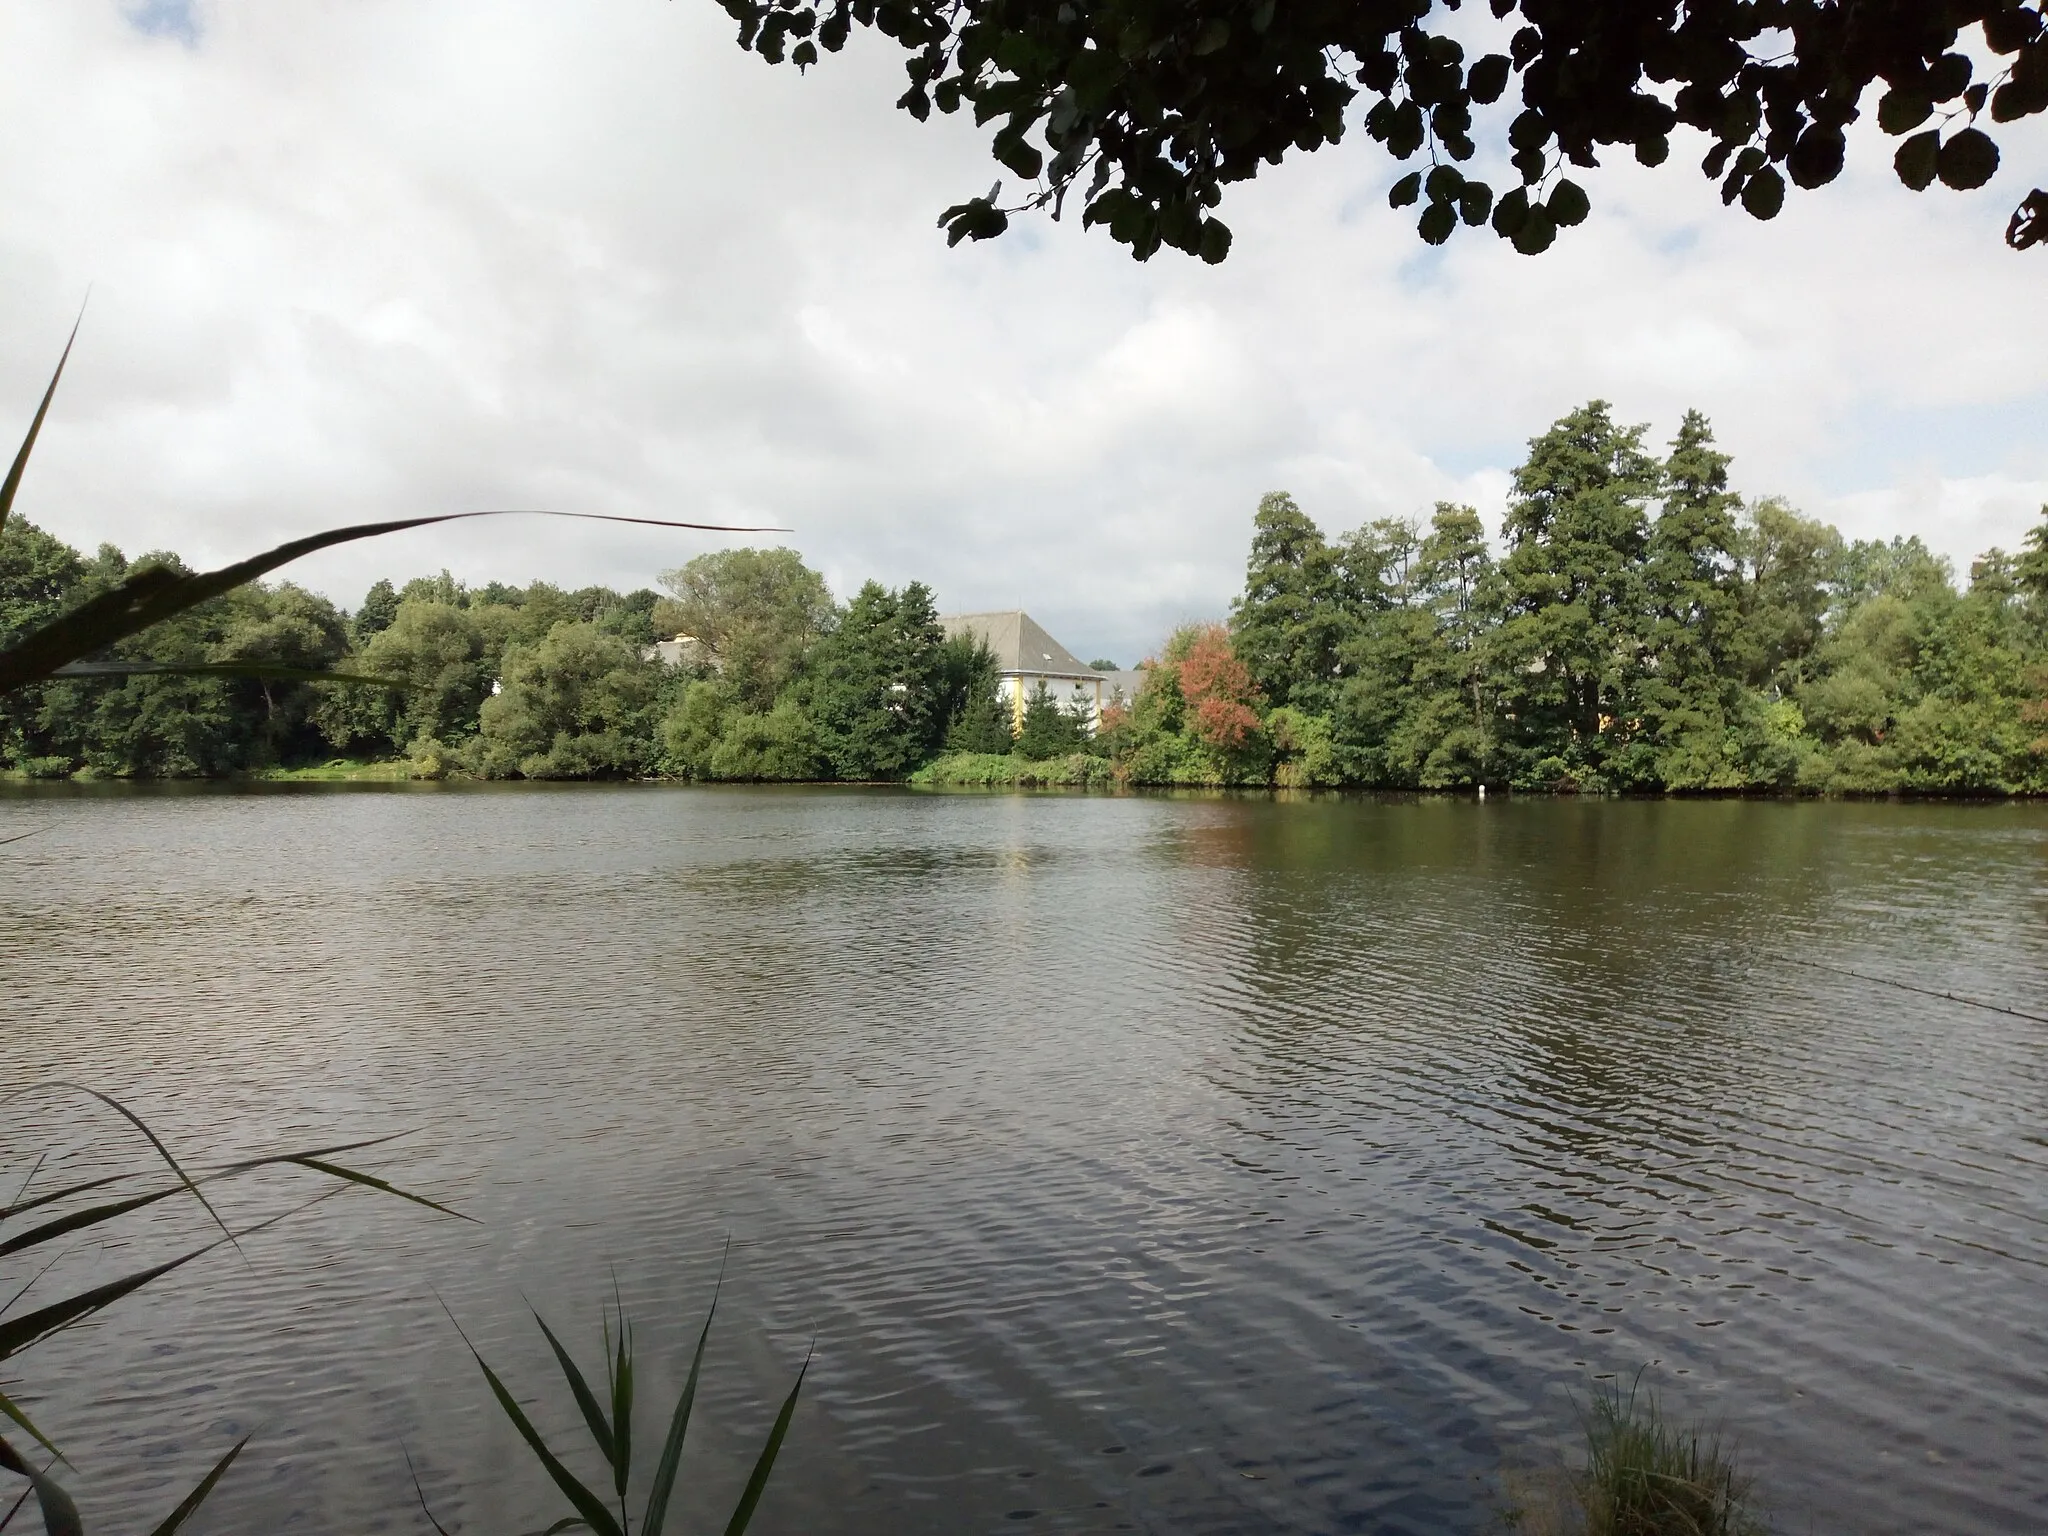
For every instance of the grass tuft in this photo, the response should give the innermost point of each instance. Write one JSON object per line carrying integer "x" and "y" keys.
{"x": 1644, "y": 1476}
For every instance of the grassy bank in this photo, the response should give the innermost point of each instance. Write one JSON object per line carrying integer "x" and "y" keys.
{"x": 342, "y": 770}
{"x": 991, "y": 770}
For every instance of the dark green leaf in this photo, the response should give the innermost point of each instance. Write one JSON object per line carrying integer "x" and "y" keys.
{"x": 1568, "y": 204}
{"x": 1442, "y": 183}
{"x": 1215, "y": 240}
{"x": 2013, "y": 101}
{"x": 1511, "y": 212}
{"x": 1918, "y": 159}
{"x": 1437, "y": 222}
{"x": 1816, "y": 159}
{"x": 2008, "y": 31}
{"x": 1475, "y": 202}
{"x": 1764, "y": 193}
{"x": 1214, "y": 34}
{"x": 1488, "y": 77}
{"x": 197, "y": 1496}
{"x": 1903, "y": 108}
{"x": 1537, "y": 232}
{"x": 1406, "y": 190}
{"x": 1653, "y": 149}
{"x": 1531, "y": 130}
{"x": 1948, "y": 76}
{"x": 1968, "y": 160}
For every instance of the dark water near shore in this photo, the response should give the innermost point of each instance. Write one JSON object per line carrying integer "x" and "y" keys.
{"x": 1187, "y": 1165}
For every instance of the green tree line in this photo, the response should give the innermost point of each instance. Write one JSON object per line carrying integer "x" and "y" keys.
{"x": 1636, "y": 626}
{"x": 1640, "y": 628}
{"x": 779, "y": 682}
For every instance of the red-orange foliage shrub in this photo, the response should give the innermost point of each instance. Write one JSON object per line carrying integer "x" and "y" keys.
{"x": 1222, "y": 699}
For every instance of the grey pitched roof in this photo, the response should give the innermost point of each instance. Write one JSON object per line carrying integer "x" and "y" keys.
{"x": 1127, "y": 682}
{"x": 1020, "y": 644}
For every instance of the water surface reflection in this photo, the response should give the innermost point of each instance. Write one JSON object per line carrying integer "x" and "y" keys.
{"x": 1148, "y": 1164}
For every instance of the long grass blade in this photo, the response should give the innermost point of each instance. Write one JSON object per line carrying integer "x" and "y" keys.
{"x": 264, "y": 671}
{"x": 19, "y": 1333}
{"x": 63, "y": 1194}
{"x": 158, "y": 592}
{"x": 425, "y": 1508}
{"x": 13, "y": 481}
{"x": 14, "y": 1411}
{"x": 587, "y": 1504}
{"x": 154, "y": 1140}
{"x": 678, "y": 1427}
{"x": 225, "y": 1171}
{"x": 60, "y": 1515}
{"x": 371, "y": 1181}
{"x": 197, "y": 1496}
{"x": 42, "y": 1157}
{"x": 91, "y": 1216}
{"x": 743, "y": 1512}
{"x": 579, "y": 1388}
{"x": 622, "y": 1401}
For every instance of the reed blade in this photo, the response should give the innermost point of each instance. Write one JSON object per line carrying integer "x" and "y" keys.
{"x": 13, "y": 481}
{"x": 678, "y": 1427}
{"x": 154, "y": 1140}
{"x": 197, "y": 1496}
{"x": 622, "y": 1406}
{"x": 157, "y": 592}
{"x": 262, "y": 671}
{"x": 587, "y": 1504}
{"x": 425, "y": 1508}
{"x": 60, "y": 1515}
{"x": 14, "y": 1411}
{"x": 579, "y": 1387}
{"x": 370, "y": 1181}
{"x": 64, "y": 1194}
{"x": 743, "y": 1512}
{"x": 91, "y": 1216}
{"x": 17, "y": 1334}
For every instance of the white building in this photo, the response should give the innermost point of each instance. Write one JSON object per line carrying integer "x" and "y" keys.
{"x": 1027, "y": 656}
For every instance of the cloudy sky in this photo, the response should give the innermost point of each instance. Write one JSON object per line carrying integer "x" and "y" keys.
{"x": 367, "y": 258}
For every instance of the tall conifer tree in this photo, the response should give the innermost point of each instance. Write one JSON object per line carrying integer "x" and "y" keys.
{"x": 1570, "y": 593}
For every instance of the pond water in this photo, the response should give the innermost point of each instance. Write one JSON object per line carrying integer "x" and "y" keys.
{"x": 1152, "y": 1164}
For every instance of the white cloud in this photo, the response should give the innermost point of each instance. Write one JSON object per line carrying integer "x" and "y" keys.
{"x": 367, "y": 260}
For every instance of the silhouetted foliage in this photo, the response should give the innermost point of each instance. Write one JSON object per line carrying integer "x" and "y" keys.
{"x": 1143, "y": 112}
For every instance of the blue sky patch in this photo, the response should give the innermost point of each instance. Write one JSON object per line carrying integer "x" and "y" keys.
{"x": 164, "y": 18}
